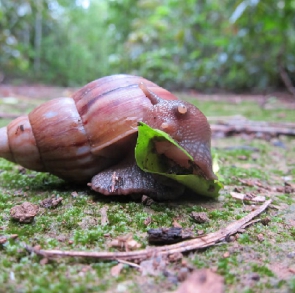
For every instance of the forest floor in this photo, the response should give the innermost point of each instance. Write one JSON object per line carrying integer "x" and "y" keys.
{"x": 254, "y": 166}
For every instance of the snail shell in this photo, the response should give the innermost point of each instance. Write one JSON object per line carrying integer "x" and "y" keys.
{"x": 77, "y": 137}
{"x": 74, "y": 138}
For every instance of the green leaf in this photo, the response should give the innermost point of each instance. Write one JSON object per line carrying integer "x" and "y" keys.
{"x": 149, "y": 161}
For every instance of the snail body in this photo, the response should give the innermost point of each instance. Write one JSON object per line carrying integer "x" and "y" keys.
{"x": 78, "y": 137}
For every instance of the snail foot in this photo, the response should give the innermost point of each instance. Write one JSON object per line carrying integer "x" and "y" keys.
{"x": 126, "y": 178}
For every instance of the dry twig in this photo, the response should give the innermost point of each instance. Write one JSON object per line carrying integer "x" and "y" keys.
{"x": 232, "y": 125}
{"x": 8, "y": 116}
{"x": 201, "y": 242}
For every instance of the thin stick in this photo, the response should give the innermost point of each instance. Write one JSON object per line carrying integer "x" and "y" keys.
{"x": 239, "y": 124}
{"x": 252, "y": 129}
{"x": 198, "y": 243}
{"x": 8, "y": 116}
{"x": 131, "y": 264}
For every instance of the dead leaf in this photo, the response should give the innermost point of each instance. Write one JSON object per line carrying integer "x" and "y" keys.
{"x": 176, "y": 224}
{"x": 147, "y": 221}
{"x": 132, "y": 245}
{"x": 248, "y": 182}
{"x": 202, "y": 281}
{"x": 51, "y": 202}
{"x": 200, "y": 218}
{"x": 125, "y": 242}
{"x": 24, "y": 213}
{"x": 116, "y": 270}
{"x": 247, "y": 197}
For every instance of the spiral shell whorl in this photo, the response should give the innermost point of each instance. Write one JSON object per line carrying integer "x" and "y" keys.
{"x": 62, "y": 140}
{"x": 112, "y": 106}
{"x": 18, "y": 144}
{"x": 23, "y": 144}
{"x": 5, "y": 151}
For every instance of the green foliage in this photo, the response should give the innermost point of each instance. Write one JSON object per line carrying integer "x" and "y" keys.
{"x": 148, "y": 160}
{"x": 179, "y": 44}
{"x": 67, "y": 46}
{"x": 207, "y": 45}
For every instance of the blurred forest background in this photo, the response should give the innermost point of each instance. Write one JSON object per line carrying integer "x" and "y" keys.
{"x": 232, "y": 45}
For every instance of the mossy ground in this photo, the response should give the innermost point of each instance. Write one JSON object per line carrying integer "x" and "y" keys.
{"x": 261, "y": 259}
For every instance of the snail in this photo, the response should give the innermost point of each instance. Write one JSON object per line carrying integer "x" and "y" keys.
{"x": 93, "y": 135}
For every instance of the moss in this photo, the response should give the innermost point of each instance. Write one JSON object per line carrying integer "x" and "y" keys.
{"x": 226, "y": 268}
{"x": 262, "y": 270}
{"x": 76, "y": 223}
{"x": 244, "y": 239}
